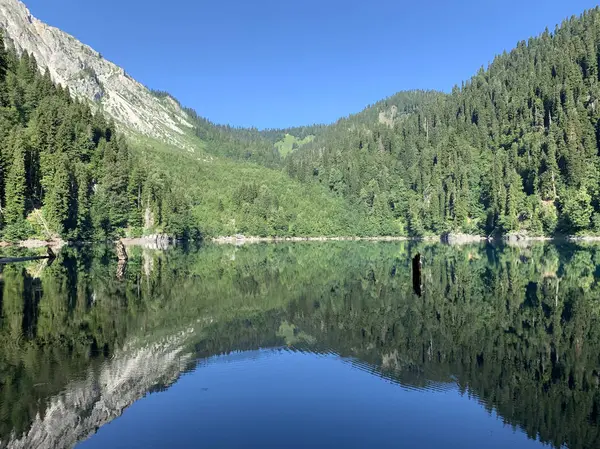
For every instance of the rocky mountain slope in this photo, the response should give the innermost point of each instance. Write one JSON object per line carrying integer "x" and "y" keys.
{"x": 91, "y": 77}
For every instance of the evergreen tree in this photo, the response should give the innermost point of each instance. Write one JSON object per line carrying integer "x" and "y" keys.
{"x": 14, "y": 211}
{"x": 55, "y": 155}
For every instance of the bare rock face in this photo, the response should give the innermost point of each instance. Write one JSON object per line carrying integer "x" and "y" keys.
{"x": 91, "y": 77}
{"x": 388, "y": 117}
{"x": 452, "y": 238}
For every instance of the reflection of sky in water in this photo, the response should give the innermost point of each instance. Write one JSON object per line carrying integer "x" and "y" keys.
{"x": 280, "y": 398}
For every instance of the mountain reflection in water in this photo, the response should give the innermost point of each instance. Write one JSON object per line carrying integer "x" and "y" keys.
{"x": 501, "y": 339}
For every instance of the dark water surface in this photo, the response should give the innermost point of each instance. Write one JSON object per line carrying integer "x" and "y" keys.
{"x": 303, "y": 345}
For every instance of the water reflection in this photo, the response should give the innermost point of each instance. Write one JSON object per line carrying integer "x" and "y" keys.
{"x": 515, "y": 328}
{"x": 296, "y": 399}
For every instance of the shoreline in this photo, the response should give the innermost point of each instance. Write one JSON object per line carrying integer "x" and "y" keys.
{"x": 162, "y": 241}
{"x": 35, "y": 244}
{"x": 448, "y": 239}
{"x": 240, "y": 239}
{"x": 154, "y": 241}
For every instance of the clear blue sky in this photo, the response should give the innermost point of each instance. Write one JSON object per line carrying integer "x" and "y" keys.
{"x": 276, "y": 63}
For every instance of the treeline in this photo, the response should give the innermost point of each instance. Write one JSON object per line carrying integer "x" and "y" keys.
{"x": 65, "y": 171}
{"x": 515, "y": 149}
{"x": 301, "y": 132}
{"x": 246, "y": 144}
{"x": 353, "y": 159}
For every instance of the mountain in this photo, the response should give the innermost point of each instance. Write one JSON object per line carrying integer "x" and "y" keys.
{"x": 388, "y": 111}
{"x": 65, "y": 171}
{"x": 108, "y": 88}
{"x": 513, "y": 150}
{"x": 90, "y": 77}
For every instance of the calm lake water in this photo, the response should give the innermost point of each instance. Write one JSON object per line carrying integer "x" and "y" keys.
{"x": 302, "y": 345}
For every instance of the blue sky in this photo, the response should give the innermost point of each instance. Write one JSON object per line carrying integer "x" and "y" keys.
{"x": 277, "y": 63}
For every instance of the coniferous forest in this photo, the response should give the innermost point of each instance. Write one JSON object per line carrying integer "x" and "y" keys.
{"x": 515, "y": 149}
{"x": 65, "y": 171}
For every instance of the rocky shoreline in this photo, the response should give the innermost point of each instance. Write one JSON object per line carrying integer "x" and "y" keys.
{"x": 584, "y": 238}
{"x": 461, "y": 239}
{"x": 158, "y": 240}
{"x": 164, "y": 241}
{"x": 35, "y": 243}
{"x": 448, "y": 238}
{"x": 242, "y": 239}
{"x": 154, "y": 241}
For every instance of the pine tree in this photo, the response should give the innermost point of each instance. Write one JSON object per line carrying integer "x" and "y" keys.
{"x": 3, "y": 70}
{"x": 57, "y": 198}
{"x": 14, "y": 210}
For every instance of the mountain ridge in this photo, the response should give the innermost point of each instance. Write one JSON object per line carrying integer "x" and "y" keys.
{"x": 90, "y": 77}
{"x": 135, "y": 107}
{"x": 513, "y": 150}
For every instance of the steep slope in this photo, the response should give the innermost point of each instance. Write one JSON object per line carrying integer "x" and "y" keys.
{"x": 60, "y": 162}
{"x": 231, "y": 197}
{"x": 65, "y": 171}
{"x": 514, "y": 150}
{"x": 90, "y": 77}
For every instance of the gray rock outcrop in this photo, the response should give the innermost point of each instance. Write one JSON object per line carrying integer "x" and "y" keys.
{"x": 90, "y": 77}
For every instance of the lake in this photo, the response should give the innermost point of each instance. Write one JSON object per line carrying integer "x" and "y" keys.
{"x": 303, "y": 345}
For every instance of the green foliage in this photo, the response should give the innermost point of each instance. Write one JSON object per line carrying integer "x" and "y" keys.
{"x": 488, "y": 158}
{"x": 14, "y": 210}
{"x": 230, "y": 197}
{"x": 577, "y": 210}
{"x": 85, "y": 182}
{"x": 514, "y": 149}
{"x": 58, "y": 157}
{"x": 18, "y": 230}
{"x": 291, "y": 143}
{"x": 244, "y": 144}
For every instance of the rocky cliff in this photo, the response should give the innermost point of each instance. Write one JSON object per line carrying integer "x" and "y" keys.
{"x": 90, "y": 77}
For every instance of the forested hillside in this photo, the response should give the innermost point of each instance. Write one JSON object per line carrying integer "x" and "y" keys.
{"x": 246, "y": 144}
{"x": 65, "y": 171}
{"x": 231, "y": 196}
{"x": 515, "y": 149}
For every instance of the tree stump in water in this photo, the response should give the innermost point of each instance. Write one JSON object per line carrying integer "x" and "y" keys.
{"x": 121, "y": 251}
{"x": 50, "y": 253}
{"x": 417, "y": 264}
